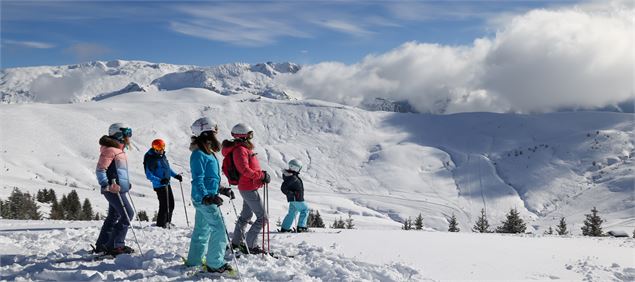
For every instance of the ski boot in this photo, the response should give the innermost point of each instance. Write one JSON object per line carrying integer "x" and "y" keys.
{"x": 223, "y": 268}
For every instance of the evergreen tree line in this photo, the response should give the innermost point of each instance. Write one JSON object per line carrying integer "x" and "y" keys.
{"x": 513, "y": 223}
{"x": 343, "y": 224}
{"x": 21, "y": 205}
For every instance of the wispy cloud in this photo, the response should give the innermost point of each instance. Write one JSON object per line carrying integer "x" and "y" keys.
{"x": 345, "y": 27}
{"x": 87, "y": 51}
{"x": 239, "y": 24}
{"x": 29, "y": 44}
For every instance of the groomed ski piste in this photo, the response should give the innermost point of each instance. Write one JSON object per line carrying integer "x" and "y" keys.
{"x": 379, "y": 167}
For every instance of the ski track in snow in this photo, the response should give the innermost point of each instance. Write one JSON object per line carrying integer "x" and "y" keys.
{"x": 162, "y": 260}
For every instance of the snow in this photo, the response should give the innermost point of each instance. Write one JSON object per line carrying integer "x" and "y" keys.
{"x": 326, "y": 256}
{"x": 378, "y": 167}
{"x": 99, "y": 80}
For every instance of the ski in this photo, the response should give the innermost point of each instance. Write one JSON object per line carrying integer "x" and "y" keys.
{"x": 91, "y": 257}
{"x": 325, "y": 232}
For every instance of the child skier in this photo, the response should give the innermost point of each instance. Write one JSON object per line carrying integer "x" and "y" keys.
{"x": 293, "y": 188}
{"x": 158, "y": 171}
{"x": 209, "y": 237}
{"x": 112, "y": 175}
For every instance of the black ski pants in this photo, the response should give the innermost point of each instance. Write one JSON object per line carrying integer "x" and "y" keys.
{"x": 166, "y": 205}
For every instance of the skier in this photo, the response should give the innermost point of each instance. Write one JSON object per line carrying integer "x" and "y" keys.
{"x": 293, "y": 188}
{"x": 209, "y": 237}
{"x": 112, "y": 175}
{"x": 158, "y": 171}
{"x": 239, "y": 153}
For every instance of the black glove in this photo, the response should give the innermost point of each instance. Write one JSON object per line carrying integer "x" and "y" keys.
{"x": 179, "y": 177}
{"x": 165, "y": 181}
{"x": 266, "y": 178}
{"x": 227, "y": 192}
{"x": 209, "y": 199}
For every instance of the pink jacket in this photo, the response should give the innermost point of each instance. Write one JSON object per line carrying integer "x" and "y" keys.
{"x": 112, "y": 164}
{"x": 247, "y": 165}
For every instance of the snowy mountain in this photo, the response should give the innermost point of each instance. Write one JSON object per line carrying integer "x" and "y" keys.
{"x": 380, "y": 167}
{"x": 97, "y": 80}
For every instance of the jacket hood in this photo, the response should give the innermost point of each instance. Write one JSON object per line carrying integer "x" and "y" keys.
{"x": 108, "y": 141}
{"x": 153, "y": 152}
{"x": 228, "y": 147}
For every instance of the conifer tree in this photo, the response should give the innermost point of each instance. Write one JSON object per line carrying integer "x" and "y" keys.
{"x": 561, "y": 229}
{"x": 549, "y": 231}
{"x": 512, "y": 223}
{"x": 51, "y": 197}
{"x": 418, "y": 222}
{"x": 57, "y": 212}
{"x": 592, "y": 224}
{"x": 143, "y": 216}
{"x": 20, "y": 206}
{"x": 97, "y": 216}
{"x": 407, "y": 224}
{"x": 41, "y": 195}
{"x": 349, "y": 222}
{"x": 315, "y": 219}
{"x": 87, "y": 210}
{"x": 73, "y": 206}
{"x": 481, "y": 225}
{"x": 339, "y": 224}
{"x": 453, "y": 224}
{"x": 155, "y": 216}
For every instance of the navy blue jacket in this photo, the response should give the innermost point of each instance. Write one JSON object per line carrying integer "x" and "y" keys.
{"x": 157, "y": 167}
{"x": 292, "y": 186}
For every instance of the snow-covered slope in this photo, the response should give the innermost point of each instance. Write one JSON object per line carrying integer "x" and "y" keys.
{"x": 352, "y": 255}
{"x": 379, "y": 167}
{"x": 97, "y": 80}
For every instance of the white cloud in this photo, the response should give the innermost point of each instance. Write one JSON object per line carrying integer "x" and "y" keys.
{"x": 541, "y": 60}
{"x": 344, "y": 27}
{"x": 30, "y": 44}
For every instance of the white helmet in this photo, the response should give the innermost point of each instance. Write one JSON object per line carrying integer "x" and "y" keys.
{"x": 295, "y": 165}
{"x": 203, "y": 124}
{"x": 241, "y": 131}
{"x": 119, "y": 130}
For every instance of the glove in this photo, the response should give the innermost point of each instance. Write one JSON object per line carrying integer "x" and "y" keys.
{"x": 209, "y": 199}
{"x": 179, "y": 177}
{"x": 165, "y": 181}
{"x": 227, "y": 192}
{"x": 114, "y": 188}
{"x": 266, "y": 178}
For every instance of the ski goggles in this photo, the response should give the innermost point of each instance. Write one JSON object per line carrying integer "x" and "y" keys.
{"x": 127, "y": 132}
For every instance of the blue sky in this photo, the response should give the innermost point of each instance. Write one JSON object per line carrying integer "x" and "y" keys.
{"x": 212, "y": 33}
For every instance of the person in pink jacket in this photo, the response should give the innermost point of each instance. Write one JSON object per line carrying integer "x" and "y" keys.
{"x": 242, "y": 168}
{"x": 112, "y": 176}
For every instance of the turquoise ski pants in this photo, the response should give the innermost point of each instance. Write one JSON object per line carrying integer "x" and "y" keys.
{"x": 294, "y": 208}
{"x": 209, "y": 237}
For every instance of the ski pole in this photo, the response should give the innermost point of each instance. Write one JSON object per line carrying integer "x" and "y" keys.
{"x": 183, "y": 197}
{"x": 135, "y": 212}
{"x": 242, "y": 234}
{"x": 268, "y": 227}
{"x": 167, "y": 204}
{"x": 125, "y": 211}
{"x": 229, "y": 240}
